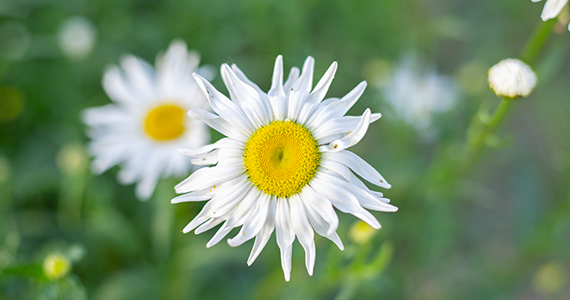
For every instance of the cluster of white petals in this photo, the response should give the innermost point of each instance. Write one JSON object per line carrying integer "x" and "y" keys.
{"x": 117, "y": 130}
{"x": 512, "y": 78}
{"x": 417, "y": 93}
{"x": 235, "y": 201}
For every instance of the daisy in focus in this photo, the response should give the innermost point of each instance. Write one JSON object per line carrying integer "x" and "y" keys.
{"x": 284, "y": 164}
{"x": 142, "y": 130}
{"x": 417, "y": 93}
{"x": 552, "y": 9}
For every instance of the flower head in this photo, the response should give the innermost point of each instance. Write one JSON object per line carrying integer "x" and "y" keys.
{"x": 512, "y": 78}
{"x": 552, "y": 9}
{"x": 416, "y": 93}
{"x": 284, "y": 164}
{"x": 147, "y": 122}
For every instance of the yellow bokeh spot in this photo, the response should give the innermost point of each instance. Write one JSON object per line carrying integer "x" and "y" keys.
{"x": 550, "y": 278}
{"x": 361, "y": 232}
{"x": 56, "y": 266}
{"x": 165, "y": 122}
{"x": 281, "y": 158}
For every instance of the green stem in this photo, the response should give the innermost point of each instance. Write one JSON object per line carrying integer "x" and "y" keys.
{"x": 536, "y": 41}
{"x": 529, "y": 54}
{"x": 475, "y": 143}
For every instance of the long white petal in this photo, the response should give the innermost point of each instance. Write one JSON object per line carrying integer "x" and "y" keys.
{"x": 237, "y": 217}
{"x": 321, "y": 223}
{"x": 304, "y": 231}
{"x": 552, "y": 9}
{"x": 342, "y": 200}
{"x": 276, "y": 94}
{"x": 285, "y": 235}
{"x": 255, "y": 222}
{"x": 353, "y": 137}
{"x": 220, "y": 124}
{"x": 358, "y": 166}
{"x": 318, "y": 94}
{"x": 207, "y": 177}
{"x": 265, "y": 233}
{"x": 246, "y": 97}
{"x": 223, "y": 143}
{"x": 300, "y": 89}
{"x": 223, "y": 106}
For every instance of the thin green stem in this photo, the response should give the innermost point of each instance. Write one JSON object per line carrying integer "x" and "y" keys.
{"x": 536, "y": 41}
{"x": 475, "y": 143}
{"x": 529, "y": 54}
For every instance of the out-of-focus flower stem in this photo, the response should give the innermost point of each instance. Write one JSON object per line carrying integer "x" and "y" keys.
{"x": 481, "y": 130}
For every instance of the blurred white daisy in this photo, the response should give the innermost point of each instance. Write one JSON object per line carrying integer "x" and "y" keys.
{"x": 76, "y": 37}
{"x": 284, "y": 163}
{"x": 552, "y": 9}
{"x": 143, "y": 129}
{"x": 417, "y": 93}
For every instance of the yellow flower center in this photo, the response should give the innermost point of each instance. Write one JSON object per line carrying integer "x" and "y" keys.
{"x": 165, "y": 122}
{"x": 281, "y": 158}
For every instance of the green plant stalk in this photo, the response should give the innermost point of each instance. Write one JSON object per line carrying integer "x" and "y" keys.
{"x": 529, "y": 54}
{"x": 475, "y": 143}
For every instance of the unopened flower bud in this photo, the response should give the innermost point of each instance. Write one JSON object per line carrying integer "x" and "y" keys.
{"x": 512, "y": 78}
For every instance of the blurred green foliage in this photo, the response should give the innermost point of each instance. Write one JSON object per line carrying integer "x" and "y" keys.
{"x": 502, "y": 231}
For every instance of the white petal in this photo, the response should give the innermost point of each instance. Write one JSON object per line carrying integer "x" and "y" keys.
{"x": 141, "y": 77}
{"x": 116, "y": 86}
{"x": 305, "y": 82}
{"x": 145, "y": 187}
{"x": 208, "y": 225}
{"x": 353, "y": 137}
{"x": 291, "y": 79}
{"x": 285, "y": 235}
{"x": 322, "y": 223}
{"x": 206, "y": 177}
{"x": 205, "y": 194}
{"x": 366, "y": 200}
{"x": 223, "y": 106}
{"x": 319, "y": 205}
{"x": 207, "y": 159}
{"x": 339, "y": 127}
{"x": 264, "y": 234}
{"x": 552, "y": 8}
{"x": 104, "y": 116}
{"x": 246, "y": 97}
{"x": 220, "y": 124}
{"x": 237, "y": 217}
{"x": 276, "y": 93}
{"x": 358, "y": 166}
{"x": 304, "y": 231}
{"x": 318, "y": 94}
{"x": 223, "y": 143}
{"x": 343, "y": 200}
{"x": 255, "y": 222}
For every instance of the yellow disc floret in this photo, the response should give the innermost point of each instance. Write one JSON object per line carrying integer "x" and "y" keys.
{"x": 165, "y": 122}
{"x": 281, "y": 158}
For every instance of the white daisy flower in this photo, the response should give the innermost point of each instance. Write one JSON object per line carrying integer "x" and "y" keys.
{"x": 143, "y": 129}
{"x": 552, "y": 9}
{"x": 284, "y": 163}
{"x": 416, "y": 93}
{"x": 512, "y": 78}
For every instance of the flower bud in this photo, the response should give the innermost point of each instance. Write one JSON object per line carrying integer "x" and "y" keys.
{"x": 512, "y": 78}
{"x": 56, "y": 266}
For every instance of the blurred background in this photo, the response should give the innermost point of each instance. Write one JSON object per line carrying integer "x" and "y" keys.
{"x": 500, "y": 231}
